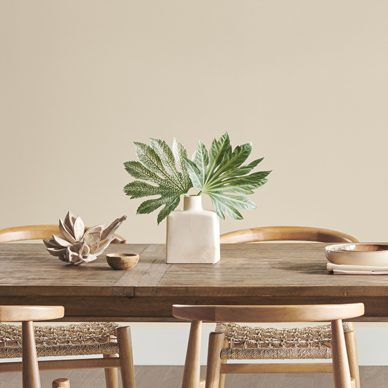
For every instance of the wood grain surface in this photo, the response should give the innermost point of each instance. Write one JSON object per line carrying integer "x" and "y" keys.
{"x": 264, "y": 273}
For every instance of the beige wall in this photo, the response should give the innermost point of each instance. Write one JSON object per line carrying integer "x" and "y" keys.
{"x": 305, "y": 81}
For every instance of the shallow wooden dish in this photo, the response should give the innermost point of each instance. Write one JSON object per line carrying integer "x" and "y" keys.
{"x": 373, "y": 254}
{"x": 122, "y": 261}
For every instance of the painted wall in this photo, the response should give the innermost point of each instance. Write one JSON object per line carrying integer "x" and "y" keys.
{"x": 305, "y": 81}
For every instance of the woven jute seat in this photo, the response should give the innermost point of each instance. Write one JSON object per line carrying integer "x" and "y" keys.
{"x": 250, "y": 343}
{"x": 67, "y": 340}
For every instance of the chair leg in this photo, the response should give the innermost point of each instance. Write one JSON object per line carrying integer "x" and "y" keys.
{"x": 31, "y": 378}
{"x": 191, "y": 373}
{"x": 341, "y": 369}
{"x": 216, "y": 342}
{"x": 126, "y": 357}
{"x": 351, "y": 348}
{"x": 111, "y": 374}
{"x": 61, "y": 383}
{"x": 222, "y": 375}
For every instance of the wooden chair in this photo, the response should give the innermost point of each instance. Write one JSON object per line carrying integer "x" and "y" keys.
{"x": 344, "y": 365}
{"x": 26, "y": 315}
{"x": 107, "y": 339}
{"x": 38, "y": 232}
{"x": 286, "y": 233}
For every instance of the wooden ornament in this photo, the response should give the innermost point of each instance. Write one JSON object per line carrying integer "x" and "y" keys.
{"x": 79, "y": 244}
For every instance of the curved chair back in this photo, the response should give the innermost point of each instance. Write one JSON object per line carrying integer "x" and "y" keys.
{"x": 274, "y": 313}
{"x": 285, "y": 233}
{"x": 36, "y": 232}
{"x": 28, "y": 232}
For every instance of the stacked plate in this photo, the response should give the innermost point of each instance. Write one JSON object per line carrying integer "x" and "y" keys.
{"x": 358, "y": 258}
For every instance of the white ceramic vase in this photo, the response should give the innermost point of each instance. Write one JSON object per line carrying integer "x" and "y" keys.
{"x": 193, "y": 235}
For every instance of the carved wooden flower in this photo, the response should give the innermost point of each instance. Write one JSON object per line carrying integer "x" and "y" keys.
{"x": 78, "y": 244}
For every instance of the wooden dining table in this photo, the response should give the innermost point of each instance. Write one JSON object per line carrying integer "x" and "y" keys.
{"x": 264, "y": 273}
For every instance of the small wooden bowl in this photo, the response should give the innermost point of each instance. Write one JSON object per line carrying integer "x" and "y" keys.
{"x": 122, "y": 261}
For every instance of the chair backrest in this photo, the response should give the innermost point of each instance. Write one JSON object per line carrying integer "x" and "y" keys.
{"x": 28, "y": 232}
{"x": 285, "y": 233}
{"x": 36, "y": 232}
{"x": 30, "y": 313}
{"x": 274, "y": 313}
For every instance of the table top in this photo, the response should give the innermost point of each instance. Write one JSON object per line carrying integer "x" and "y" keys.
{"x": 247, "y": 274}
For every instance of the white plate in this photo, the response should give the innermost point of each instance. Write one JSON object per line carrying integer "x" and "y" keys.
{"x": 374, "y": 254}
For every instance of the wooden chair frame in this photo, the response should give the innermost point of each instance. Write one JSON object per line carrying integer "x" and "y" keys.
{"x": 110, "y": 363}
{"x": 26, "y": 315}
{"x": 286, "y": 233}
{"x": 37, "y": 232}
{"x": 344, "y": 362}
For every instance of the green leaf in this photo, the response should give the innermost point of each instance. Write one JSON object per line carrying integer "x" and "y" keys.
{"x": 223, "y": 208}
{"x": 180, "y": 154}
{"x": 201, "y": 159}
{"x": 167, "y": 158}
{"x": 153, "y": 204}
{"x": 195, "y": 174}
{"x": 228, "y": 203}
{"x": 149, "y": 206}
{"x": 220, "y": 173}
{"x": 249, "y": 167}
{"x": 137, "y": 170}
{"x": 159, "y": 172}
{"x": 167, "y": 173}
{"x": 254, "y": 163}
{"x": 219, "y": 150}
{"x": 255, "y": 179}
{"x": 168, "y": 208}
{"x": 237, "y": 158}
{"x": 138, "y": 189}
{"x": 149, "y": 158}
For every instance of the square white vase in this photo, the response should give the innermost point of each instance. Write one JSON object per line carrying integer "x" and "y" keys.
{"x": 193, "y": 235}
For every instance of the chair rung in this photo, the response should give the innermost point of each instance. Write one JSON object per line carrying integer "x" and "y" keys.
{"x": 65, "y": 364}
{"x": 277, "y": 368}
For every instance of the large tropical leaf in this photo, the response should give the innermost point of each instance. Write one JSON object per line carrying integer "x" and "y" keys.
{"x": 160, "y": 172}
{"x": 220, "y": 173}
